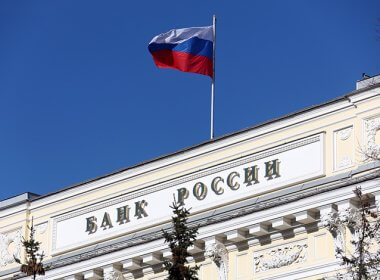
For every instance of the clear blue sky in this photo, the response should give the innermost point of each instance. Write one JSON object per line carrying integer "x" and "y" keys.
{"x": 81, "y": 97}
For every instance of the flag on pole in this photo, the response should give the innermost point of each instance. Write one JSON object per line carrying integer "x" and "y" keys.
{"x": 186, "y": 49}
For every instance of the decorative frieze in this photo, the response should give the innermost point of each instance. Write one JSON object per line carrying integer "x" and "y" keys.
{"x": 280, "y": 256}
{"x": 6, "y": 239}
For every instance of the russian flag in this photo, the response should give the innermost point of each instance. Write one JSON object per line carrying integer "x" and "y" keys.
{"x": 186, "y": 49}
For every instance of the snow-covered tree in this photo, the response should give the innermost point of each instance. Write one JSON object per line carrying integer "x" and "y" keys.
{"x": 180, "y": 238}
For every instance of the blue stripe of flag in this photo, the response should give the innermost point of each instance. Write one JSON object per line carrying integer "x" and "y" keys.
{"x": 193, "y": 46}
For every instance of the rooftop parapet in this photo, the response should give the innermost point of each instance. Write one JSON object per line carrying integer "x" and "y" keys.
{"x": 367, "y": 81}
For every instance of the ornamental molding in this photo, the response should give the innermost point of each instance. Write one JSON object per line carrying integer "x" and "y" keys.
{"x": 372, "y": 149}
{"x": 6, "y": 239}
{"x": 218, "y": 253}
{"x": 280, "y": 256}
{"x": 344, "y": 133}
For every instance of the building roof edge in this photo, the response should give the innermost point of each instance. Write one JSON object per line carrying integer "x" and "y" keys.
{"x": 217, "y": 139}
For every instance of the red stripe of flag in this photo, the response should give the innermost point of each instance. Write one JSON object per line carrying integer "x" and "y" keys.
{"x": 182, "y": 61}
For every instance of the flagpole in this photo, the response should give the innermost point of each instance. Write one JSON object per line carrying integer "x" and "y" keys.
{"x": 213, "y": 75}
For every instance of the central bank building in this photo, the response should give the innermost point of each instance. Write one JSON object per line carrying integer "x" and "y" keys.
{"x": 261, "y": 198}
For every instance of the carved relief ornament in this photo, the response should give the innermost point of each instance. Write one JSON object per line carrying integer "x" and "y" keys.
{"x": 345, "y": 133}
{"x": 6, "y": 239}
{"x": 219, "y": 255}
{"x": 371, "y": 127}
{"x": 280, "y": 256}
